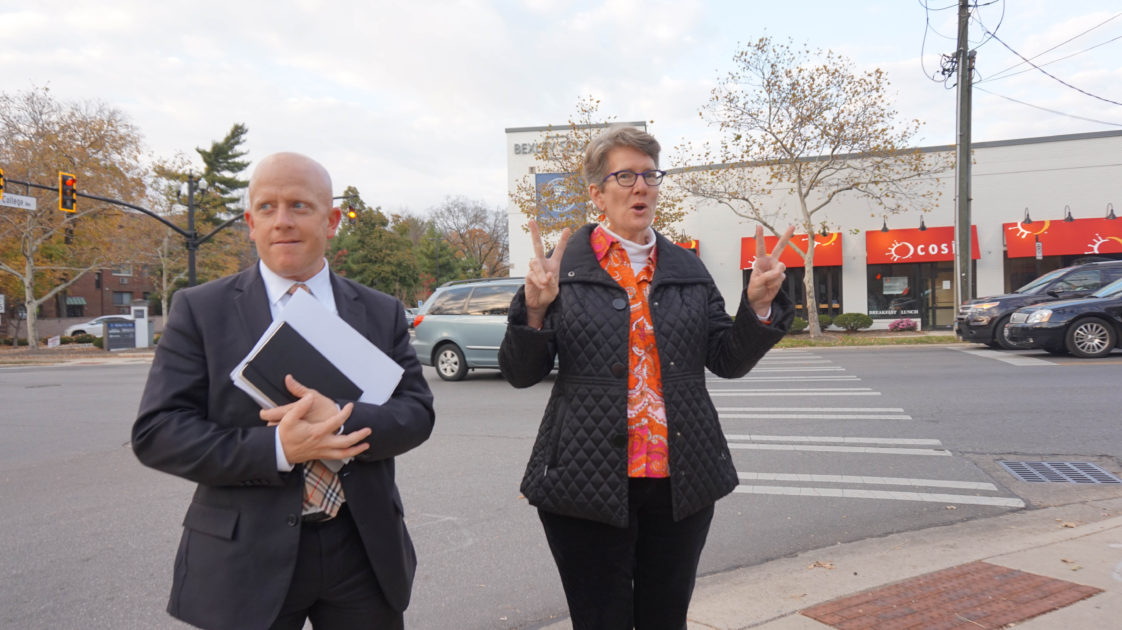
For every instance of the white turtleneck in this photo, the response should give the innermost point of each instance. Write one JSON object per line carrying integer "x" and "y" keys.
{"x": 638, "y": 254}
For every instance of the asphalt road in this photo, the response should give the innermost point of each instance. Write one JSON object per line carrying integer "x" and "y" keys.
{"x": 832, "y": 445}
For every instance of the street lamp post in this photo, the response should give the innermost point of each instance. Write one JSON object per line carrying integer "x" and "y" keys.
{"x": 192, "y": 237}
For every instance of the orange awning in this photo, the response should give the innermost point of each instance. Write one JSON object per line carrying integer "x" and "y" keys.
{"x": 913, "y": 245}
{"x": 1064, "y": 238}
{"x": 827, "y": 250}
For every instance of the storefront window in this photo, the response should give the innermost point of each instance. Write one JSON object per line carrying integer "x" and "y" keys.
{"x": 892, "y": 291}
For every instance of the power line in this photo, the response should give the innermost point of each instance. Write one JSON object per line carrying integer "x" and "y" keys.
{"x": 1048, "y": 74}
{"x": 998, "y": 74}
{"x": 1045, "y": 109}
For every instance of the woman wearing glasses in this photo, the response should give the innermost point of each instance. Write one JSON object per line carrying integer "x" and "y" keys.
{"x": 630, "y": 456}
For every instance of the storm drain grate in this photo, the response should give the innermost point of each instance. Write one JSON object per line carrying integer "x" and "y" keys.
{"x": 1059, "y": 472}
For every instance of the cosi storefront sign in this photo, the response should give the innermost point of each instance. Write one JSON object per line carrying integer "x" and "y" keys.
{"x": 935, "y": 244}
{"x": 1063, "y": 238}
{"x": 827, "y": 250}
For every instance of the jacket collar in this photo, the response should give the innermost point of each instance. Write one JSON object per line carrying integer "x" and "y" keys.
{"x": 251, "y": 303}
{"x": 674, "y": 263}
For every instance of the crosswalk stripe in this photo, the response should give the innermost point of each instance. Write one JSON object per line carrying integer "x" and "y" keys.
{"x": 849, "y": 493}
{"x": 785, "y": 379}
{"x": 826, "y": 409}
{"x": 812, "y": 416}
{"x": 867, "y": 450}
{"x": 755, "y": 437}
{"x": 798, "y": 391}
{"x": 860, "y": 479}
{"x": 1012, "y": 359}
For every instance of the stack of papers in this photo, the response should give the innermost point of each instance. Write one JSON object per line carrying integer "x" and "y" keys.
{"x": 321, "y": 351}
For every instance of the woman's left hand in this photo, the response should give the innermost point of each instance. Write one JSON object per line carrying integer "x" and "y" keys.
{"x": 768, "y": 273}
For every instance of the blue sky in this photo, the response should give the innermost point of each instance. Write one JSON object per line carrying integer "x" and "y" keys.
{"x": 409, "y": 101}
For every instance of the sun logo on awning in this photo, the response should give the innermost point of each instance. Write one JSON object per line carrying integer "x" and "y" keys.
{"x": 895, "y": 249}
{"x": 1025, "y": 232}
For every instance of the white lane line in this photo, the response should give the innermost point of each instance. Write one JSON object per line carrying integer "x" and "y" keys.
{"x": 1011, "y": 359}
{"x": 799, "y": 360}
{"x": 847, "y": 493}
{"x": 796, "y": 368}
{"x": 812, "y": 416}
{"x": 870, "y": 481}
{"x": 754, "y": 437}
{"x": 802, "y": 391}
{"x": 785, "y": 379}
{"x": 865, "y": 450}
{"x": 823, "y": 409}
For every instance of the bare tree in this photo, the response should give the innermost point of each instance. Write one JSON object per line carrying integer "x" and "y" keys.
{"x": 478, "y": 234}
{"x": 799, "y": 129}
{"x": 556, "y": 196}
{"x": 45, "y": 249}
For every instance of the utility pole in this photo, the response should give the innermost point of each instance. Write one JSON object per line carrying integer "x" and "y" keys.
{"x": 964, "y": 273}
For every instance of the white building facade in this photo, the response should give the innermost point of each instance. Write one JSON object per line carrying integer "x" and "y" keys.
{"x": 1037, "y": 204}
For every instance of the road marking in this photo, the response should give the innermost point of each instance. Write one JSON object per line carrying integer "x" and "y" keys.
{"x": 866, "y": 450}
{"x": 850, "y": 493}
{"x": 826, "y": 409}
{"x": 821, "y": 391}
{"x": 1005, "y": 357}
{"x": 785, "y": 379}
{"x": 812, "y": 416}
{"x": 754, "y": 437}
{"x": 859, "y": 479}
{"x": 798, "y": 369}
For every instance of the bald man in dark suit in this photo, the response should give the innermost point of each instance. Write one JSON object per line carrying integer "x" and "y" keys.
{"x": 256, "y": 551}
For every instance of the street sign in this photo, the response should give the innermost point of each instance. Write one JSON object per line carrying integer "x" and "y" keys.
{"x": 17, "y": 201}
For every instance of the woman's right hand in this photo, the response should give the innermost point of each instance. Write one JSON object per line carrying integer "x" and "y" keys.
{"x": 542, "y": 279}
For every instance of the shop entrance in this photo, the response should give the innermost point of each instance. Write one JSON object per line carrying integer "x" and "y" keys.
{"x": 923, "y": 291}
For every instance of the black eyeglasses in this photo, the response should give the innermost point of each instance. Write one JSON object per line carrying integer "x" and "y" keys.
{"x": 628, "y": 178}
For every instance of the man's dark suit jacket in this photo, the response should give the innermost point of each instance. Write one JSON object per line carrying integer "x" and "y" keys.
{"x": 241, "y": 531}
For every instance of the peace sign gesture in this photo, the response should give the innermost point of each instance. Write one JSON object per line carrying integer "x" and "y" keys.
{"x": 542, "y": 279}
{"x": 768, "y": 273}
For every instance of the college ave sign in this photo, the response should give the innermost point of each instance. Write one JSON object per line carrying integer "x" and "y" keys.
{"x": 17, "y": 201}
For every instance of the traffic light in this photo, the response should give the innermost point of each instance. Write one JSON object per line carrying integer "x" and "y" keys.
{"x": 67, "y": 192}
{"x": 1, "y": 183}
{"x": 351, "y": 215}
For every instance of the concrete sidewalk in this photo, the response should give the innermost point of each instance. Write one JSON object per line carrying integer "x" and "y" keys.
{"x": 1061, "y": 565}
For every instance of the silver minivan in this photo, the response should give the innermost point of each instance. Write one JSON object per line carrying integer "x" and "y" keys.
{"x": 461, "y": 325}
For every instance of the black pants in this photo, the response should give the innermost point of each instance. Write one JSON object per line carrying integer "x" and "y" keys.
{"x": 640, "y": 576}
{"x": 333, "y": 584}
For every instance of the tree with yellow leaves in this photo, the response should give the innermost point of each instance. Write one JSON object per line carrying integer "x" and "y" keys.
{"x": 556, "y": 195}
{"x": 799, "y": 129}
{"x": 44, "y": 249}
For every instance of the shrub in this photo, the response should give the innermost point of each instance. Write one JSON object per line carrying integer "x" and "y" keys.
{"x": 903, "y": 324}
{"x": 798, "y": 325}
{"x": 824, "y": 321}
{"x": 98, "y": 342}
{"x": 853, "y": 321}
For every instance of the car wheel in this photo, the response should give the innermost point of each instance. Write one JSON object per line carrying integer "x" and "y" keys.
{"x": 77, "y": 332}
{"x": 1090, "y": 338}
{"x": 1001, "y": 336}
{"x": 450, "y": 363}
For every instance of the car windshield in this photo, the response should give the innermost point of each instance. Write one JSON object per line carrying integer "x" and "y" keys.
{"x": 1036, "y": 286}
{"x": 1114, "y": 289}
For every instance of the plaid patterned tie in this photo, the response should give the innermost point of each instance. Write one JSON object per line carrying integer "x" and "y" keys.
{"x": 323, "y": 494}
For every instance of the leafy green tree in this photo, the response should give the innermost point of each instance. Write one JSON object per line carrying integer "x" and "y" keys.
{"x": 223, "y": 164}
{"x": 370, "y": 251}
{"x": 438, "y": 260}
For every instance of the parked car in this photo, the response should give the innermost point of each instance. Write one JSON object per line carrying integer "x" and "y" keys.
{"x": 1090, "y": 327}
{"x": 94, "y": 326}
{"x": 461, "y": 325}
{"x": 985, "y": 320}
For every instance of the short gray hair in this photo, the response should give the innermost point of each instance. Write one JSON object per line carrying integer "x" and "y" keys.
{"x": 596, "y": 153}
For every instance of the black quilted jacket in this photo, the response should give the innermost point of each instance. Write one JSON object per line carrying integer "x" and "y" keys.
{"x": 578, "y": 466}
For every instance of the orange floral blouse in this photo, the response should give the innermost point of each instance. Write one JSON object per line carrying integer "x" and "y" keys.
{"x": 648, "y": 451}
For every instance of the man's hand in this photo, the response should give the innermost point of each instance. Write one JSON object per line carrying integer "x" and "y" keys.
{"x": 542, "y": 279}
{"x": 322, "y": 407}
{"x": 768, "y": 273}
{"x": 309, "y": 428}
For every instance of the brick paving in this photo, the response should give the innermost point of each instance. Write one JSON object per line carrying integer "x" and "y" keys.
{"x": 974, "y": 595}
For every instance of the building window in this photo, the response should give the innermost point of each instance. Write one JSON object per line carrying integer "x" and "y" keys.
{"x": 122, "y": 298}
{"x": 123, "y": 270}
